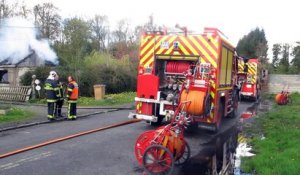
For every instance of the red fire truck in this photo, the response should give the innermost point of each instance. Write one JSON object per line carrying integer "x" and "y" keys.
{"x": 200, "y": 69}
{"x": 249, "y": 78}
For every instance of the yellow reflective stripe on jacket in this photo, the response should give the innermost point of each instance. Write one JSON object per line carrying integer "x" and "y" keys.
{"x": 72, "y": 101}
{"x": 51, "y": 100}
{"x": 48, "y": 88}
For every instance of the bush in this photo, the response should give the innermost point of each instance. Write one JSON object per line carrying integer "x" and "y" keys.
{"x": 119, "y": 75}
{"x": 117, "y": 79}
{"x": 40, "y": 72}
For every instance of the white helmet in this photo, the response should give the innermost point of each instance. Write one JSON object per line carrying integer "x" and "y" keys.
{"x": 53, "y": 73}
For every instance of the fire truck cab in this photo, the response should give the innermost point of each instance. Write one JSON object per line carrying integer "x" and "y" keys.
{"x": 178, "y": 68}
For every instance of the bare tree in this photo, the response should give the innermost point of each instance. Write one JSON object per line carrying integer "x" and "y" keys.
{"x": 10, "y": 9}
{"x": 6, "y": 9}
{"x": 121, "y": 34}
{"x": 100, "y": 32}
{"x": 48, "y": 20}
{"x": 23, "y": 10}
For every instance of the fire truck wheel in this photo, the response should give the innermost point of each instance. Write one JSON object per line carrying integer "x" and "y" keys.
{"x": 216, "y": 126}
{"x": 157, "y": 159}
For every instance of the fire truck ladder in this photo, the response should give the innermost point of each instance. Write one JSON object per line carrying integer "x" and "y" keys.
{"x": 229, "y": 103}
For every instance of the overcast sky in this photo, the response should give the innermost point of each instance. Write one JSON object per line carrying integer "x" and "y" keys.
{"x": 235, "y": 18}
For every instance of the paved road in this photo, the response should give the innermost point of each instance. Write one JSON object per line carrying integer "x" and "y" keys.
{"x": 109, "y": 152}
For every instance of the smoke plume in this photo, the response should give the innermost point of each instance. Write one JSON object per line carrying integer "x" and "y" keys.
{"x": 18, "y": 38}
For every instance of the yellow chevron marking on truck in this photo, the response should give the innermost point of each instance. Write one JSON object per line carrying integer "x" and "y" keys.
{"x": 214, "y": 41}
{"x": 170, "y": 40}
{"x": 207, "y": 45}
{"x": 158, "y": 44}
{"x": 188, "y": 44}
{"x": 148, "y": 45}
{"x": 214, "y": 64}
{"x": 149, "y": 62}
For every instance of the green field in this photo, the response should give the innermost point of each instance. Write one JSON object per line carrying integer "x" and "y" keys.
{"x": 15, "y": 115}
{"x": 108, "y": 100}
{"x": 279, "y": 152}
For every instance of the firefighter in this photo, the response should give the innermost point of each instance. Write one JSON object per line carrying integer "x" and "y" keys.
{"x": 72, "y": 96}
{"x": 51, "y": 93}
{"x": 60, "y": 100}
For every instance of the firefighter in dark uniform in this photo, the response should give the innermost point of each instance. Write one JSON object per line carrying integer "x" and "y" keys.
{"x": 60, "y": 100}
{"x": 72, "y": 98}
{"x": 51, "y": 93}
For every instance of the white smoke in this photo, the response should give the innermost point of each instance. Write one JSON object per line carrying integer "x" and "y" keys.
{"x": 18, "y": 37}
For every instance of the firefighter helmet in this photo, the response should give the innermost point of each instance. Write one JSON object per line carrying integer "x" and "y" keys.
{"x": 53, "y": 73}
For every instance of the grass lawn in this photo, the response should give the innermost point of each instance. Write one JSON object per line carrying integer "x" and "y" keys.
{"x": 15, "y": 114}
{"x": 108, "y": 100}
{"x": 279, "y": 152}
{"x": 111, "y": 99}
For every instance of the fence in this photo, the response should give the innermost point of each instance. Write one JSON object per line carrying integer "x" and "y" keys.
{"x": 15, "y": 93}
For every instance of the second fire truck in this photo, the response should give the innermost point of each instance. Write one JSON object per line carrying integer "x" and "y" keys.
{"x": 200, "y": 70}
{"x": 249, "y": 78}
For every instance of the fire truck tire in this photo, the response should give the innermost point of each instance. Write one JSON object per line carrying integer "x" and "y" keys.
{"x": 157, "y": 159}
{"x": 216, "y": 126}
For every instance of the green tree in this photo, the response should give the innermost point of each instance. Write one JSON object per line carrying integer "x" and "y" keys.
{"x": 74, "y": 46}
{"x": 295, "y": 68}
{"x": 48, "y": 20}
{"x": 276, "y": 52}
{"x": 254, "y": 45}
{"x": 284, "y": 61}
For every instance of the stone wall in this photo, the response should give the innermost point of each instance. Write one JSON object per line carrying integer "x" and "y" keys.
{"x": 277, "y": 82}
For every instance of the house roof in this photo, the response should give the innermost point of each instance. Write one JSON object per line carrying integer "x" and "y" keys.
{"x": 32, "y": 56}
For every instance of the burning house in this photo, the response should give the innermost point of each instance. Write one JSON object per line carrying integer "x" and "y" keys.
{"x": 10, "y": 72}
{"x": 21, "y": 50}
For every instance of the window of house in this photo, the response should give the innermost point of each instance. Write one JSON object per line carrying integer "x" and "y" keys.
{"x": 3, "y": 76}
